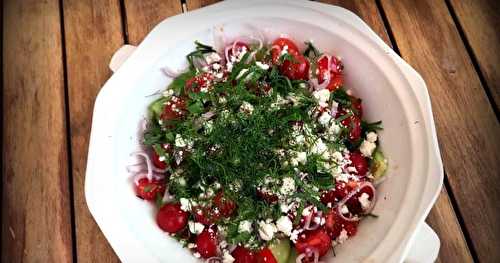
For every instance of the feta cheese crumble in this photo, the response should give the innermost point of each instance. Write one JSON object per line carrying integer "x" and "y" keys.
{"x": 288, "y": 186}
{"x": 185, "y": 204}
{"x": 366, "y": 148}
{"x": 364, "y": 201}
{"x": 284, "y": 225}
{"x": 227, "y": 257}
{"x": 195, "y": 227}
{"x": 245, "y": 226}
{"x": 246, "y": 107}
{"x": 262, "y": 65}
{"x": 267, "y": 230}
{"x": 322, "y": 96}
{"x": 325, "y": 118}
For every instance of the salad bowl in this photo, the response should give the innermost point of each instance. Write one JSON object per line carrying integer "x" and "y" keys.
{"x": 390, "y": 88}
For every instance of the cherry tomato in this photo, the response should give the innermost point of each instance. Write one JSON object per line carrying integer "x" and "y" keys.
{"x": 359, "y": 162}
{"x": 156, "y": 161}
{"x": 279, "y": 44}
{"x": 316, "y": 239}
{"x": 148, "y": 190}
{"x": 171, "y": 218}
{"x": 243, "y": 255}
{"x": 356, "y": 106}
{"x": 336, "y": 194}
{"x": 298, "y": 69}
{"x": 336, "y": 78}
{"x": 334, "y": 225}
{"x": 199, "y": 82}
{"x": 206, "y": 243}
{"x": 268, "y": 197}
{"x": 238, "y": 49}
{"x": 225, "y": 205}
{"x": 174, "y": 109}
{"x": 206, "y": 215}
{"x": 265, "y": 256}
{"x": 353, "y": 123}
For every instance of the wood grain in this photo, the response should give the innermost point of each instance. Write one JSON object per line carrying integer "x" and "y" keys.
{"x": 444, "y": 222}
{"x": 442, "y": 216}
{"x": 480, "y": 21}
{"x": 195, "y": 4}
{"x": 467, "y": 127}
{"x": 142, "y": 16}
{"x": 36, "y": 223}
{"x": 93, "y": 33}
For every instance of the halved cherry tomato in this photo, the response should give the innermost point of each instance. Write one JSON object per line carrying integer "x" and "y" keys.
{"x": 268, "y": 197}
{"x": 243, "y": 255}
{"x": 359, "y": 162}
{"x": 238, "y": 49}
{"x": 171, "y": 218}
{"x": 298, "y": 69}
{"x": 265, "y": 256}
{"x": 206, "y": 243}
{"x": 279, "y": 44}
{"x": 334, "y": 225}
{"x": 334, "y": 195}
{"x": 316, "y": 239}
{"x": 225, "y": 205}
{"x": 336, "y": 78}
{"x": 199, "y": 82}
{"x": 148, "y": 190}
{"x": 353, "y": 123}
{"x": 156, "y": 161}
{"x": 174, "y": 109}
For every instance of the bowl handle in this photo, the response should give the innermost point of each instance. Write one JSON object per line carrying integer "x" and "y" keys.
{"x": 119, "y": 57}
{"x": 425, "y": 246}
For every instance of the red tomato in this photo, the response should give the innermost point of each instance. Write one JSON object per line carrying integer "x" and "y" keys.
{"x": 334, "y": 225}
{"x": 279, "y": 44}
{"x": 225, "y": 205}
{"x": 206, "y": 243}
{"x": 317, "y": 239}
{"x": 156, "y": 161}
{"x": 238, "y": 48}
{"x": 199, "y": 82}
{"x": 148, "y": 190}
{"x": 336, "y": 194}
{"x": 356, "y": 106}
{"x": 206, "y": 215}
{"x": 359, "y": 162}
{"x": 336, "y": 79}
{"x": 174, "y": 109}
{"x": 171, "y": 218}
{"x": 299, "y": 69}
{"x": 353, "y": 123}
{"x": 243, "y": 255}
{"x": 268, "y": 197}
{"x": 265, "y": 256}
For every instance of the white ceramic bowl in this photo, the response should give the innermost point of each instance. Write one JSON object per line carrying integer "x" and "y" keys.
{"x": 391, "y": 90}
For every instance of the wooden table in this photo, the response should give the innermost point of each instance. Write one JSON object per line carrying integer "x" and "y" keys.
{"x": 55, "y": 59}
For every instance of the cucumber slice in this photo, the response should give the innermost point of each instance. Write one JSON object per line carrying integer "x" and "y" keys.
{"x": 379, "y": 164}
{"x": 293, "y": 256}
{"x": 156, "y": 107}
{"x": 281, "y": 250}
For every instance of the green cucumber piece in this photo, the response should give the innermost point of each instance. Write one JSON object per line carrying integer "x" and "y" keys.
{"x": 379, "y": 164}
{"x": 156, "y": 107}
{"x": 281, "y": 250}
{"x": 293, "y": 256}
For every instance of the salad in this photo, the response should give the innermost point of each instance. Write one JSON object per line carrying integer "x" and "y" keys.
{"x": 259, "y": 153}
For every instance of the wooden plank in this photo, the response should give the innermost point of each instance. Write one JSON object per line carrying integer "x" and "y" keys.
{"x": 443, "y": 220}
{"x": 36, "y": 223}
{"x": 480, "y": 21}
{"x": 454, "y": 246}
{"x": 195, "y": 4}
{"x": 93, "y": 32}
{"x": 142, "y": 16}
{"x": 467, "y": 127}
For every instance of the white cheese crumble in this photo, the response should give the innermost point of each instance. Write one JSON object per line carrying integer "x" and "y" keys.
{"x": 245, "y": 226}
{"x": 367, "y": 148}
{"x": 196, "y": 255}
{"x": 343, "y": 236}
{"x": 364, "y": 201}
{"x": 185, "y": 204}
{"x": 288, "y": 186}
{"x": 262, "y": 65}
{"x": 267, "y": 230}
{"x": 284, "y": 225}
{"x": 320, "y": 148}
{"x": 284, "y": 50}
{"x": 227, "y": 258}
{"x": 325, "y": 118}
{"x": 212, "y": 57}
{"x": 322, "y": 96}
{"x": 371, "y": 137}
{"x": 241, "y": 73}
{"x": 195, "y": 227}
{"x": 246, "y": 107}
{"x": 168, "y": 93}
{"x": 344, "y": 210}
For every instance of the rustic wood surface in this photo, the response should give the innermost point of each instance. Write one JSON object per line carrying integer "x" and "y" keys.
{"x": 55, "y": 59}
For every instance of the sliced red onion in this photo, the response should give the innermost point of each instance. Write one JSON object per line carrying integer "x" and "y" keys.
{"x": 315, "y": 83}
{"x": 226, "y": 53}
{"x": 308, "y": 252}
{"x": 172, "y": 73}
{"x": 214, "y": 260}
{"x": 138, "y": 177}
{"x": 149, "y": 164}
{"x": 308, "y": 226}
{"x": 219, "y": 39}
{"x": 353, "y": 193}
